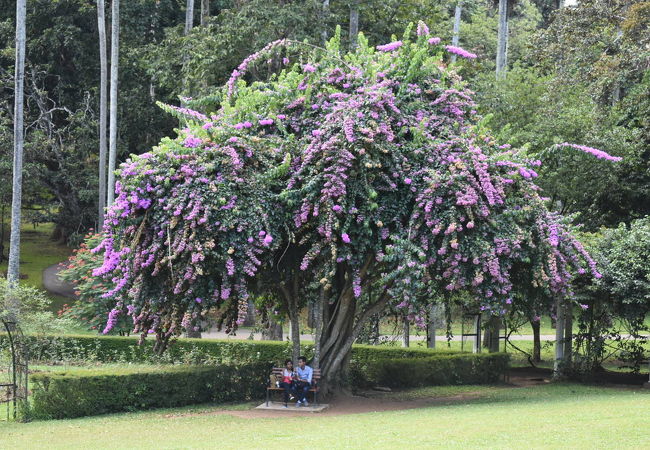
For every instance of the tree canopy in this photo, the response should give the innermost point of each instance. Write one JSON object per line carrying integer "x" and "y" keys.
{"x": 338, "y": 174}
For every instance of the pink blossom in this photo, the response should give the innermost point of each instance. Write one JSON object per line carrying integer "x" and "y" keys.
{"x": 460, "y": 52}
{"x": 592, "y": 151}
{"x": 390, "y": 47}
{"x": 346, "y": 238}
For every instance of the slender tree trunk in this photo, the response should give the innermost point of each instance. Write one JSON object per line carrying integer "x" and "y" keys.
{"x": 431, "y": 328}
{"x": 103, "y": 110}
{"x": 325, "y": 18}
{"x": 2, "y": 231}
{"x": 115, "y": 64}
{"x": 558, "y": 367}
{"x": 476, "y": 348}
{"x": 354, "y": 24}
{"x": 568, "y": 332}
{"x": 502, "y": 39}
{"x": 189, "y": 16}
{"x": 406, "y": 332}
{"x": 205, "y": 12}
{"x": 456, "y": 36}
{"x": 537, "y": 342}
{"x": 491, "y": 337}
{"x": 13, "y": 269}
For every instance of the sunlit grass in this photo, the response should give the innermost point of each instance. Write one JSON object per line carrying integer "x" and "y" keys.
{"x": 548, "y": 416}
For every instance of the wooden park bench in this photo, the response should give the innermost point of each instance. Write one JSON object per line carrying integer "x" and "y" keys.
{"x": 277, "y": 371}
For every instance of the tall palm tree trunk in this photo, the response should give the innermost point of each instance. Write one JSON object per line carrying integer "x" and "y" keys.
{"x": 115, "y": 65}
{"x": 205, "y": 12}
{"x": 502, "y": 39}
{"x": 456, "y": 36}
{"x": 13, "y": 269}
{"x": 189, "y": 16}
{"x": 354, "y": 24}
{"x": 103, "y": 111}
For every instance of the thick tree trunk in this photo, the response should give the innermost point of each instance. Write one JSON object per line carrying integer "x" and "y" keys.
{"x": 558, "y": 367}
{"x": 354, "y": 24}
{"x": 103, "y": 111}
{"x": 13, "y": 269}
{"x": 456, "y": 36}
{"x": 115, "y": 64}
{"x": 273, "y": 332}
{"x": 205, "y": 12}
{"x": 537, "y": 342}
{"x": 338, "y": 324}
{"x": 502, "y": 39}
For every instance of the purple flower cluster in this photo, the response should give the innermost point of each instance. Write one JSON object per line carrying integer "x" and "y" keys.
{"x": 460, "y": 52}
{"x": 592, "y": 151}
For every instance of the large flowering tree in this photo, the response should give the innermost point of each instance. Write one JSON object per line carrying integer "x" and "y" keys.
{"x": 338, "y": 173}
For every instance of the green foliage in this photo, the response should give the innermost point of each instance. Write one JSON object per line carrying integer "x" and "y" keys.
{"x": 615, "y": 308}
{"x": 460, "y": 368}
{"x": 35, "y": 315}
{"x": 86, "y": 393}
{"x": 90, "y": 307}
{"x": 70, "y": 349}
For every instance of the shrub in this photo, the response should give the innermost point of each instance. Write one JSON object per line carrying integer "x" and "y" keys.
{"x": 90, "y": 307}
{"x": 190, "y": 351}
{"x": 90, "y": 392}
{"x": 442, "y": 369}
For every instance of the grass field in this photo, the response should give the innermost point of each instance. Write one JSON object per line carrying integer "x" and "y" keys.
{"x": 37, "y": 251}
{"x": 546, "y": 416}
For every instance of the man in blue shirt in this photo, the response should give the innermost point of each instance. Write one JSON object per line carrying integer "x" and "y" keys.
{"x": 303, "y": 383}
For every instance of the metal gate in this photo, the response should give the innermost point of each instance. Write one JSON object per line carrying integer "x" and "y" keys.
{"x": 13, "y": 367}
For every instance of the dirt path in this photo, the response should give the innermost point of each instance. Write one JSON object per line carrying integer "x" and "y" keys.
{"x": 379, "y": 402}
{"x": 54, "y": 285}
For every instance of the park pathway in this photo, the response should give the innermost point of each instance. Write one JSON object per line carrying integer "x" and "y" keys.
{"x": 54, "y": 285}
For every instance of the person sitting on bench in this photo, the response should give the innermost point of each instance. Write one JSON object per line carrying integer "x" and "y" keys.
{"x": 288, "y": 375}
{"x": 302, "y": 383}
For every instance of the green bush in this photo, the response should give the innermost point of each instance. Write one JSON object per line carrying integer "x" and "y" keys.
{"x": 80, "y": 393}
{"x": 190, "y": 351}
{"x": 443, "y": 369}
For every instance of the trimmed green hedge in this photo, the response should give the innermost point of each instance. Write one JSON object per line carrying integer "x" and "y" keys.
{"x": 72, "y": 348}
{"x": 60, "y": 395}
{"x": 459, "y": 368}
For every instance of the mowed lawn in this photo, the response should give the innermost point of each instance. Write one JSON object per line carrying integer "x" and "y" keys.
{"x": 547, "y": 416}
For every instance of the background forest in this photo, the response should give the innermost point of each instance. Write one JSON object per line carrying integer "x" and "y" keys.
{"x": 573, "y": 74}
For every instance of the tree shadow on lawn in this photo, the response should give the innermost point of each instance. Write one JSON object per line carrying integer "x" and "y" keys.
{"x": 519, "y": 390}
